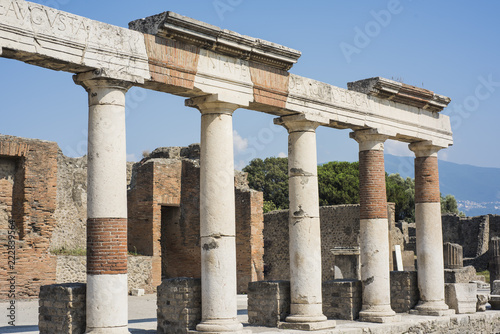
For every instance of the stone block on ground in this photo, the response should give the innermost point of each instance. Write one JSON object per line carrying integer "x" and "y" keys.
{"x": 62, "y": 308}
{"x": 462, "y": 297}
{"x": 462, "y": 275}
{"x": 179, "y": 305}
{"x": 342, "y": 299}
{"x": 268, "y": 302}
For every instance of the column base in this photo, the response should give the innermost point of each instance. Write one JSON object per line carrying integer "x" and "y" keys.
{"x": 110, "y": 330}
{"x": 219, "y": 326}
{"x": 378, "y": 314}
{"x": 435, "y": 308}
{"x": 308, "y": 326}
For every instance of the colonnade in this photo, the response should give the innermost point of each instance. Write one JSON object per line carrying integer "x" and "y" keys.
{"x": 107, "y": 218}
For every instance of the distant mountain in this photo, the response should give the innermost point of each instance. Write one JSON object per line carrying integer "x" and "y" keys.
{"x": 477, "y": 189}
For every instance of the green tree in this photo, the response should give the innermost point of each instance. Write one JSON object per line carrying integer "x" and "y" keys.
{"x": 449, "y": 205}
{"x": 338, "y": 183}
{"x": 401, "y": 192}
{"x": 271, "y": 177}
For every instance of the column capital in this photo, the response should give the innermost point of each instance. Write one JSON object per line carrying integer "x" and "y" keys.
{"x": 106, "y": 78}
{"x": 301, "y": 122}
{"x": 369, "y": 139}
{"x": 211, "y": 104}
{"x": 424, "y": 149}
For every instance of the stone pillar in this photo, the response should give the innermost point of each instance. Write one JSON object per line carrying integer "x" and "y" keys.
{"x": 453, "y": 256}
{"x": 374, "y": 230}
{"x": 304, "y": 225}
{"x": 494, "y": 261}
{"x": 107, "y": 290}
{"x": 217, "y": 216}
{"x": 429, "y": 231}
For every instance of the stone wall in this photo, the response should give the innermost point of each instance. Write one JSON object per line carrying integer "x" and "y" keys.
{"x": 268, "y": 302}
{"x": 339, "y": 228}
{"x": 28, "y": 186}
{"x": 472, "y": 233}
{"x": 62, "y": 309}
{"x": 404, "y": 291}
{"x": 179, "y": 305}
{"x": 342, "y": 299}
{"x": 71, "y": 208}
{"x": 73, "y": 269}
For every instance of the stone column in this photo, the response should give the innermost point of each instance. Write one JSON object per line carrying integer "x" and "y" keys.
{"x": 217, "y": 216}
{"x": 107, "y": 290}
{"x": 374, "y": 230}
{"x": 429, "y": 231}
{"x": 494, "y": 259}
{"x": 453, "y": 256}
{"x": 304, "y": 226}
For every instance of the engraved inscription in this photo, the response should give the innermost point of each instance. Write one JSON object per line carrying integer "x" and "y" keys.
{"x": 42, "y": 16}
{"x": 224, "y": 66}
{"x": 323, "y": 92}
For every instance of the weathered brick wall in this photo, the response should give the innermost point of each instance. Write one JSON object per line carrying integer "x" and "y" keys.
{"x": 181, "y": 256}
{"x": 34, "y": 187}
{"x": 249, "y": 237}
{"x": 164, "y": 217}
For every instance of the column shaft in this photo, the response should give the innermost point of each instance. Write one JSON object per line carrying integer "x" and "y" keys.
{"x": 107, "y": 290}
{"x": 304, "y": 229}
{"x": 429, "y": 231}
{"x": 217, "y": 218}
{"x": 306, "y": 308}
{"x": 374, "y": 231}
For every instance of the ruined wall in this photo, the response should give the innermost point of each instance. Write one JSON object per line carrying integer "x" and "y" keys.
{"x": 249, "y": 237}
{"x": 71, "y": 209}
{"x": 164, "y": 216}
{"x": 339, "y": 228}
{"x": 29, "y": 176}
{"x": 472, "y": 233}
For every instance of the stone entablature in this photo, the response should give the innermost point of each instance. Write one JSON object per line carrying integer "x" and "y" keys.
{"x": 246, "y": 71}
{"x": 181, "y": 28}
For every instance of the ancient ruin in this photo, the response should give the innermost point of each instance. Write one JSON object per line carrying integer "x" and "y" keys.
{"x": 219, "y": 71}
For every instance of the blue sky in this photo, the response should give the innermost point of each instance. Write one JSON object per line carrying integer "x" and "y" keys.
{"x": 450, "y": 47}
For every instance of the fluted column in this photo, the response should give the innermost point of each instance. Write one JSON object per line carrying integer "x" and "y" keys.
{"x": 107, "y": 289}
{"x": 304, "y": 225}
{"x": 217, "y": 216}
{"x": 374, "y": 230}
{"x": 429, "y": 231}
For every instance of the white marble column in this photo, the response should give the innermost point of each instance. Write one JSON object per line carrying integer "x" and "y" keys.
{"x": 107, "y": 289}
{"x": 430, "y": 261}
{"x": 217, "y": 217}
{"x": 306, "y": 307}
{"x": 374, "y": 230}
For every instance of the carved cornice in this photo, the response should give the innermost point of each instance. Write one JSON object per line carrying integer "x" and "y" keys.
{"x": 174, "y": 26}
{"x": 400, "y": 92}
